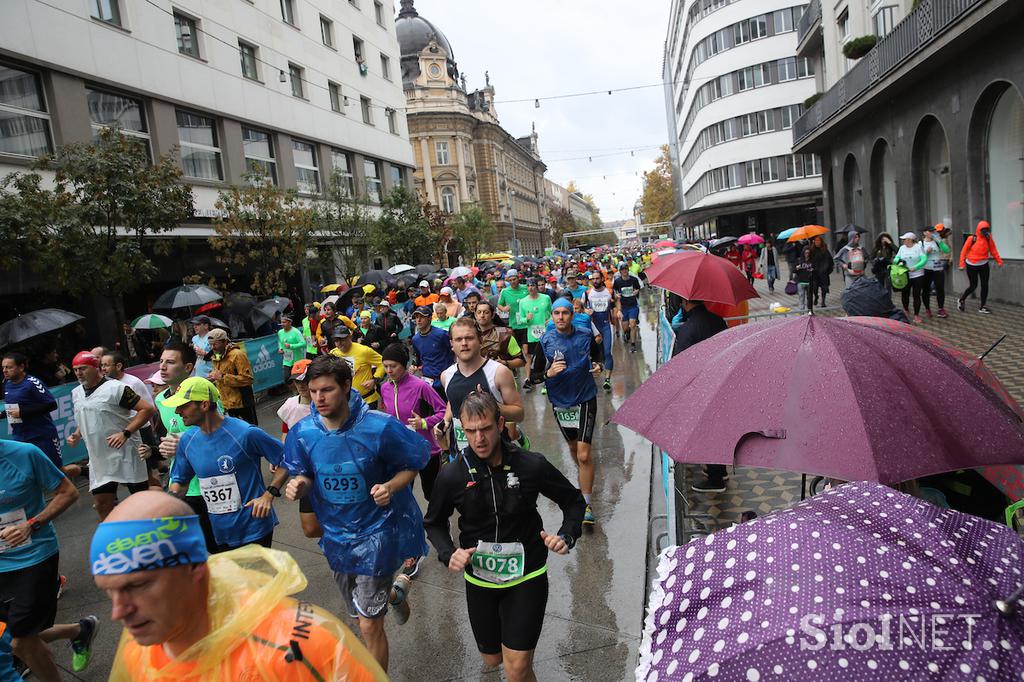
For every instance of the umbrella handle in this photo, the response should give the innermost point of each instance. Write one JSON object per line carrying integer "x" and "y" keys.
{"x": 1008, "y": 606}
{"x": 992, "y": 347}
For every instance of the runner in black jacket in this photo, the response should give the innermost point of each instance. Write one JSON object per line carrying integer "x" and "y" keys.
{"x": 502, "y": 546}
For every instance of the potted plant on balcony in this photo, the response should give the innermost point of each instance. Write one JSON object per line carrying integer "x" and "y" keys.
{"x": 858, "y": 47}
{"x": 809, "y": 102}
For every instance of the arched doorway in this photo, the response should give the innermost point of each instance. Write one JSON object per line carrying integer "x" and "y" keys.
{"x": 853, "y": 192}
{"x": 883, "y": 190}
{"x": 1004, "y": 170}
{"x": 931, "y": 174}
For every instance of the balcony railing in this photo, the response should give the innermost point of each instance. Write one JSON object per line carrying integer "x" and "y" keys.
{"x": 812, "y": 14}
{"x": 929, "y": 20}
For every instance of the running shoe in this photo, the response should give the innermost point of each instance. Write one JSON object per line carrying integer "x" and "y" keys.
{"x": 706, "y": 485}
{"x": 928, "y": 312}
{"x": 588, "y": 516}
{"x": 62, "y": 582}
{"x": 400, "y": 602}
{"x": 917, "y": 319}
{"x": 633, "y": 348}
{"x": 984, "y": 310}
{"x": 607, "y": 385}
{"x": 942, "y": 313}
{"x": 544, "y": 391}
{"x": 412, "y": 566}
{"x": 81, "y": 646}
{"x": 960, "y": 304}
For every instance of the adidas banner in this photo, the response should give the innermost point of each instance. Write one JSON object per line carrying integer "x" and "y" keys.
{"x": 265, "y": 361}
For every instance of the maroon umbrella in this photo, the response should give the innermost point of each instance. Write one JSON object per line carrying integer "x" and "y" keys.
{"x": 700, "y": 276}
{"x": 847, "y": 398}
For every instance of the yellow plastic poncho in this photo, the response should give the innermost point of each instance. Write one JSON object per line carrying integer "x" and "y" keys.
{"x": 256, "y": 632}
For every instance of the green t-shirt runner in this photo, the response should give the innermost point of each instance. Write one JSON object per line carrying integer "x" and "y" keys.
{"x": 293, "y": 343}
{"x": 511, "y": 296}
{"x": 535, "y": 313}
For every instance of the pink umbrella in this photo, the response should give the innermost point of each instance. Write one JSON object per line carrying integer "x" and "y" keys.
{"x": 848, "y": 398}
{"x": 750, "y": 238}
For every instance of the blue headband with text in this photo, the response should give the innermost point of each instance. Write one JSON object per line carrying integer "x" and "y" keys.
{"x": 120, "y": 547}
{"x": 561, "y": 303}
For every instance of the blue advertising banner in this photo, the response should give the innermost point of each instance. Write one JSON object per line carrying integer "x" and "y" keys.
{"x": 266, "y": 362}
{"x": 64, "y": 419}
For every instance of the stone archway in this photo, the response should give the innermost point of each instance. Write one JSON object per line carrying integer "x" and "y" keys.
{"x": 853, "y": 191}
{"x": 885, "y": 213}
{"x": 931, "y": 172}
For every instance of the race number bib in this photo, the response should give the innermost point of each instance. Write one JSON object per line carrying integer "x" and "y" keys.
{"x": 599, "y": 305}
{"x": 628, "y": 292}
{"x": 461, "y": 441}
{"x": 11, "y": 518}
{"x": 221, "y": 494}
{"x": 343, "y": 484}
{"x": 289, "y": 355}
{"x": 569, "y": 417}
{"x": 537, "y": 331}
{"x": 498, "y": 562}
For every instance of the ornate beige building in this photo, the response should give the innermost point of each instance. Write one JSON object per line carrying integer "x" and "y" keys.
{"x": 463, "y": 155}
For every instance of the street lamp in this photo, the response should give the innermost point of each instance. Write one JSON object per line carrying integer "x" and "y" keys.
{"x": 512, "y": 214}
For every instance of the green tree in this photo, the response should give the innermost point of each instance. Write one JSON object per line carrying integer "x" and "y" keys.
{"x": 343, "y": 224}
{"x": 262, "y": 236}
{"x": 658, "y": 200}
{"x": 404, "y": 230}
{"x": 89, "y": 230}
{"x": 473, "y": 232}
{"x": 561, "y": 222}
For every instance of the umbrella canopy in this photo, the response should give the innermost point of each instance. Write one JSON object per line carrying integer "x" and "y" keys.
{"x": 700, "y": 277}
{"x": 424, "y": 269}
{"x": 722, "y": 241}
{"x": 35, "y": 323}
{"x": 401, "y": 268}
{"x": 328, "y": 288}
{"x": 208, "y": 307}
{"x": 806, "y": 232}
{"x": 378, "y": 278}
{"x": 750, "y": 238}
{"x": 215, "y": 322}
{"x": 276, "y": 303}
{"x": 763, "y": 600}
{"x": 865, "y": 296}
{"x": 332, "y": 299}
{"x": 186, "y": 296}
{"x": 151, "y": 321}
{"x": 462, "y": 271}
{"x": 663, "y": 243}
{"x": 857, "y": 398}
{"x": 855, "y": 228}
{"x": 786, "y": 233}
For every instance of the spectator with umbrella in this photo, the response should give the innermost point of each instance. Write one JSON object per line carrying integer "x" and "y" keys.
{"x": 822, "y": 266}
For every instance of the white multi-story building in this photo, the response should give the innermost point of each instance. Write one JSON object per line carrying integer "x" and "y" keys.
{"x": 734, "y": 87}
{"x": 291, "y": 88}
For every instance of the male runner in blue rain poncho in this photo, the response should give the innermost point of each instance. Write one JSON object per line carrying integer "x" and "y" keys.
{"x": 356, "y": 465}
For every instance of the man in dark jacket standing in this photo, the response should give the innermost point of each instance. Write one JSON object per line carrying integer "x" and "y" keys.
{"x": 699, "y": 324}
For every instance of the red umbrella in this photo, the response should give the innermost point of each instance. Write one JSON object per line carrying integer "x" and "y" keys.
{"x": 664, "y": 243}
{"x": 700, "y": 277}
{"x": 205, "y": 308}
{"x": 751, "y": 238}
{"x": 849, "y": 398}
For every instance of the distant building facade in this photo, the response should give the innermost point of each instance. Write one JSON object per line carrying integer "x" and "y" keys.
{"x": 462, "y": 153}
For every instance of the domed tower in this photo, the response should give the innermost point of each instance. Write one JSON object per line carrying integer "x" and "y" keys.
{"x": 425, "y": 50}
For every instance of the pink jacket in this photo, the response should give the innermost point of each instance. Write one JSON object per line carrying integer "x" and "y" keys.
{"x": 412, "y": 394}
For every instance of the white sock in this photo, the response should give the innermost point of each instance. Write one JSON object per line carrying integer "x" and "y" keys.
{"x": 586, "y": 496}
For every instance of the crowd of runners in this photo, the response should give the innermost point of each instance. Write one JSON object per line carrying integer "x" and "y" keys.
{"x": 390, "y": 385}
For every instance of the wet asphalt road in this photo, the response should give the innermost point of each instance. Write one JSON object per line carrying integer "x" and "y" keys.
{"x": 595, "y": 609}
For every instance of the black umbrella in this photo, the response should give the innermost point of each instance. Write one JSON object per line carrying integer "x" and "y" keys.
{"x": 186, "y": 296}
{"x": 277, "y": 304}
{"x": 35, "y": 323}
{"x": 424, "y": 269}
{"x": 856, "y": 228}
{"x": 215, "y": 322}
{"x": 378, "y": 278}
{"x": 866, "y": 297}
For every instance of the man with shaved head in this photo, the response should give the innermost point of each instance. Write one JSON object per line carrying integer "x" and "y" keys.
{"x": 189, "y": 615}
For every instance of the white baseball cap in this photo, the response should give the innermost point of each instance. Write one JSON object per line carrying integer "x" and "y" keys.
{"x": 908, "y": 235}
{"x": 424, "y": 283}
{"x": 446, "y": 291}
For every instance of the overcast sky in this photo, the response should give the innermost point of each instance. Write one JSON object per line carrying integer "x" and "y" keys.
{"x": 540, "y": 48}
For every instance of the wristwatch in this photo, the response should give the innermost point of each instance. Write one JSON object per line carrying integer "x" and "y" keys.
{"x": 274, "y": 490}
{"x": 569, "y": 542}
{"x": 126, "y": 433}
{"x": 34, "y": 525}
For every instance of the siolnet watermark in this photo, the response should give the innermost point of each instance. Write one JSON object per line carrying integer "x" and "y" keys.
{"x": 934, "y": 631}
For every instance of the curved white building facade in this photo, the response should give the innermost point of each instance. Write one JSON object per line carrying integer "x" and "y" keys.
{"x": 733, "y": 88}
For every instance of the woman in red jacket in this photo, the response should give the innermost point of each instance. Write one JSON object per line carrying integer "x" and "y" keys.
{"x": 974, "y": 256}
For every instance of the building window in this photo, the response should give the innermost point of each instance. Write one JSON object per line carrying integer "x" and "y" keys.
{"x": 295, "y": 74}
{"x": 734, "y": 176}
{"x": 804, "y": 67}
{"x": 343, "y": 180}
{"x": 258, "y": 147}
{"x": 334, "y": 90}
{"x": 751, "y": 29}
{"x": 109, "y": 108}
{"x": 448, "y": 200}
{"x": 106, "y": 10}
{"x": 397, "y": 175}
{"x": 307, "y": 172}
{"x": 784, "y": 21}
{"x": 802, "y": 165}
{"x": 364, "y": 104}
{"x": 385, "y": 67}
{"x": 326, "y": 31}
{"x": 371, "y": 170}
{"x": 247, "y": 54}
{"x": 843, "y": 24}
{"x": 288, "y": 11}
{"x": 188, "y": 38}
{"x": 378, "y": 12}
{"x": 24, "y": 123}
{"x": 753, "y": 77}
{"x": 884, "y": 20}
{"x": 764, "y": 121}
{"x": 441, "y": 153}
{"x": 729, "y": 130}
{"x": 358, "y": 51}
{"x": 790, "y": 114}
{"x": 392, "y": 117}
{"x": 752, "y": 169}
{"x": 769, "y": 173}
{"x": 787, "y": 69}
{"x": 748, "y": 125}
{"x": 812, "y": 164}
{"x": 200, "y": 153}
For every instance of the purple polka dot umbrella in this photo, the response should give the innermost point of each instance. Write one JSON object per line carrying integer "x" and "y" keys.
{"x": 858, "y": 583}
